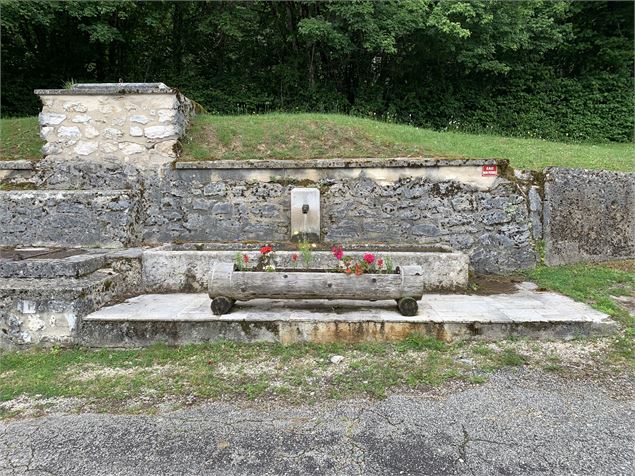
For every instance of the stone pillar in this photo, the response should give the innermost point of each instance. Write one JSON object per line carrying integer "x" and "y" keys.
{"x": 137, "y": 123}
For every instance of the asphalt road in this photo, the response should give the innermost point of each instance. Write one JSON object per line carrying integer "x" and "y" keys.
{"x": 518, "y": 423}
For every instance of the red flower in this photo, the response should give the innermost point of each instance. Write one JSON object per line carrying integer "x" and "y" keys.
{"x": 246, "y": 258}
{"x": 380, "y": 262}
{"x": 348, "y": 270}
{"x": 369, "y": 258}
{"x": 338, "y": 252}
{"x": 294, "y": 257}
{"x": 266, "y": 249}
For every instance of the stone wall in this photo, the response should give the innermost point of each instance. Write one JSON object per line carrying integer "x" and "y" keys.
{"x": 69, "y": 218}
{"x": 129, "y": 122}
{"x": 487, "y": 220}
{"x": 589, "y": 215}
{"x": 109, "y": 178}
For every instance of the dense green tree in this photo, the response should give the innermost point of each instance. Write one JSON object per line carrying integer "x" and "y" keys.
{"x": 553, "y": 69}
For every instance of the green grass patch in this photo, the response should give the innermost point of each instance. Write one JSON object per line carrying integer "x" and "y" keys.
{"x": 511, "y": 357}
{"x": 597, "y": 285}
{"x": 309, "y": 136}
{"x": 142, "y": 380}
{"x": 20, "y": 139}
{"x": 227, "y": 370}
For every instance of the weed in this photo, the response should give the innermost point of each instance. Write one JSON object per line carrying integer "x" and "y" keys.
{"x": 421, "y": 342}
{"x": 510, "y": 357}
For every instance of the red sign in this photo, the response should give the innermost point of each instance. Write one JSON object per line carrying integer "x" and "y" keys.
{"x": 489, "y": 171}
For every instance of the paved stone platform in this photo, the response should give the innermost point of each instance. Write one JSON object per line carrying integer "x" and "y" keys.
{"x": 180, "y": 318}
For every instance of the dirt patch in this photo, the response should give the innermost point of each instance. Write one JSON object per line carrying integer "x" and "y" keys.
{"x": 487, "y": 285}
{"x": 628, "y": 266}
{"x": 87, "y": 373}
{"x": 33, "y": 406}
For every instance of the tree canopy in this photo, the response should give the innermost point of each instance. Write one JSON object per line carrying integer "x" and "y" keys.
{"x": 552, "y": 69}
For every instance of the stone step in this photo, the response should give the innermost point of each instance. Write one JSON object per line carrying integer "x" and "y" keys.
{"x": 185, "y": 318}
{"x": 47, "y": 310}
{"x": 49, "y": 262}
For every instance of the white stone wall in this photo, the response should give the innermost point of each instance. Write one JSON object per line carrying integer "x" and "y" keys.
{"x": 139, "y": 128}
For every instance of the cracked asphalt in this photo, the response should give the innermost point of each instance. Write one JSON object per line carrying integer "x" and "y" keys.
{"x": 523, "y": 422}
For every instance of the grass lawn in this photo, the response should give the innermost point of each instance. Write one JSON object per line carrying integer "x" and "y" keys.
{"x": 307, "y": 136}
{"x": 20, "y": 139}
{"x": 34, "y": 381}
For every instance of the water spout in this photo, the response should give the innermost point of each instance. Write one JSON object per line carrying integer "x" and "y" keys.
{"x": 305, "y": 215}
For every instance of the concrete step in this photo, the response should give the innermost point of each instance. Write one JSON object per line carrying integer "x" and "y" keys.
{"x": 185, "y": 318}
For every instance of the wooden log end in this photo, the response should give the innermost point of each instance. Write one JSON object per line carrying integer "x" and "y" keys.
{"x": 221, "y": 305}
{"x": 408, "y": 306}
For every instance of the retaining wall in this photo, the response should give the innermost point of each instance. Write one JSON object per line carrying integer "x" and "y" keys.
{"x": 110, "y": 178}
{"x": 423, "y": 202}
{"x": 588, "y": 216}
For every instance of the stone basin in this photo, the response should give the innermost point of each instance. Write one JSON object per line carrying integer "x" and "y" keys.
{"x": 185, "y": 267}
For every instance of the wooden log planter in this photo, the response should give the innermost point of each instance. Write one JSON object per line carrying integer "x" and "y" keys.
{"x": 227, "y": 285}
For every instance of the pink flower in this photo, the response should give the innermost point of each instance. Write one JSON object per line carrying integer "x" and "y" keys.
{"x": 338, "y": 252}
{"x": 294, "y": 257}
{"x": 369, "y": 258}
{"x": 380, "y": 262}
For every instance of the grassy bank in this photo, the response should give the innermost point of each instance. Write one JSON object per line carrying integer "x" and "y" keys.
{"x": 308, "y": 136}
{"x": 20, "y": 139}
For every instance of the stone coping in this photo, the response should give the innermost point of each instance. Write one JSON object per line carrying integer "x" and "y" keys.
{"x": 16, "y": 165}
{"x": 89, "y": 89}
{"x": 337, "y": 163}
{"x": 280, "y": 246}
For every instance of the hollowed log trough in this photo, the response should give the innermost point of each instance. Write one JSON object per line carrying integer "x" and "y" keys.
{"x": 228, "y": 285}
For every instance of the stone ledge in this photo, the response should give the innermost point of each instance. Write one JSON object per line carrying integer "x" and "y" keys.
{"x": 336, "y": 163}
{"x": 87, "y": 89}
{"x": 57, "y": 286}
{"x": 16, "y": 165}
{"x": 72, "y": 266}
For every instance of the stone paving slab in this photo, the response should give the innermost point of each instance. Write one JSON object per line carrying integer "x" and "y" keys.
{"x": 525, "y": 305}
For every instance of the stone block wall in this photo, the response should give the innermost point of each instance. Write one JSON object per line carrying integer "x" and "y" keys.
{"x": 69, "y": 218}
{"x": 488, "y": 220}
{"x": 104, "y": 122}
{"x": 589, "y": 215}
